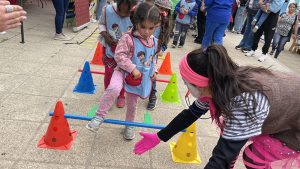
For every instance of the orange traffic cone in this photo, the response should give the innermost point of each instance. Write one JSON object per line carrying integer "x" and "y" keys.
{"x": 97, "y": 59}
{"x": 58, "y": 135}
{"x": 165, "y": 68}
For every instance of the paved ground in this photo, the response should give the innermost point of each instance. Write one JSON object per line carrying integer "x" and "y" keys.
{"x": 34, "y": 75}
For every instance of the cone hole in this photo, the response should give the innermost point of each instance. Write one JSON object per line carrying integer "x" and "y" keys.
{"x": 70, "y": 134}
{"x": 53, "y": 139}
{"x": 175, "y": 146}
{"x": 55, "y": 129}
{"x": 56, "y": 117}
{"x": 188, "y": 154}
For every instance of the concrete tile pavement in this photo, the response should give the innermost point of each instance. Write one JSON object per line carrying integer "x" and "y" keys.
{"x": 34, "y": 75}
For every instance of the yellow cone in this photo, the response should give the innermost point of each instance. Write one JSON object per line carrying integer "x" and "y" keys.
{"x": 185, "y": 149}
{"x": 170, "y": 94}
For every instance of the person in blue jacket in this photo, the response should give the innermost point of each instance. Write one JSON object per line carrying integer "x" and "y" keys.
{"x": 217, "y": 19}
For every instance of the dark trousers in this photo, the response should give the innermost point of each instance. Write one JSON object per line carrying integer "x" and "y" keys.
{"x": 180, "y": 33}
{"x": 268, "y": 29}
{"x": 61, "y": 7}
{"x": 201, "y": 19}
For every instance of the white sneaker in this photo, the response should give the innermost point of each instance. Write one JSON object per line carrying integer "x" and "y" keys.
{"x": 251, "y": 53}
{"x": 61, "y": 37}
{"x": 262, "y": 58}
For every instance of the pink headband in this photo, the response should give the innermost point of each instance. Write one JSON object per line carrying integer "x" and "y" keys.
{"x": 189, "y": 75}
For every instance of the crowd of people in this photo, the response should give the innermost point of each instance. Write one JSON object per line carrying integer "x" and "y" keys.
{"x": 243, "y": 101}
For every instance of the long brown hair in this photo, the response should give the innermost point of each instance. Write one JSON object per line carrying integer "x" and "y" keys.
{"x": 226, "y": 79}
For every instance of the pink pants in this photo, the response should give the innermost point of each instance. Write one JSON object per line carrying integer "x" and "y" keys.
{"x": 109, "y": 69}
{"x": 111, "y": 94}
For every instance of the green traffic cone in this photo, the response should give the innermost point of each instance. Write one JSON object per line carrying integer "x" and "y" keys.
{"x": 147, "y": 118}
{"x": 170, "y": 94}
{"x": 92, "y": 112}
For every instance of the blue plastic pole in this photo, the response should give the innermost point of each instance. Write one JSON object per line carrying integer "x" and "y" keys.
{"x": 112, "y": 121}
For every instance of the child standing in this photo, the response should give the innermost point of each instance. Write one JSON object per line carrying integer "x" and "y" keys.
{"x": 131, "y": 72}
{"x": 261, "y": 15}
{"x": 114, "y": 21}
{"x": 163, "y": 34}
{"x": 186, "y": 10}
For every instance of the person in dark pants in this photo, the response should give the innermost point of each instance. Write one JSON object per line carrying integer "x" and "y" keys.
{"x": 201, "y": 19}
{"x": 61, "y": 7}
{"x": 267, "y": 28}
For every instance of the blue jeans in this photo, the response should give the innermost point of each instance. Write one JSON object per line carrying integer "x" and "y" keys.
{"x": 100, "y": 5}
{"x": 239, "y": 19}
{"x": 260, "y": 18}
{"x": 278, "y": 43}
{"x": 61, "y": 7}
{"x": 246, "y": 42}
{"x": 214, "y": 33}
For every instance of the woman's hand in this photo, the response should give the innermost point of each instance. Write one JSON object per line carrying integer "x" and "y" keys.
{"x": 136, "y": 73}
{"x": 10, "y": 15}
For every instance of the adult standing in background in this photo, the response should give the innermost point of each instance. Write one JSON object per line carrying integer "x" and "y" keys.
{"x": 217, "y": 20}
{"x": 267, "y": 28}
{"x": 246, "y": 42}
{"x": 201, "y": 19}
{"x": 10, "y": 15}
{"x": 100, "y": 5}
{"x": 240, "y": 16}
{"x": 61, "y": 7}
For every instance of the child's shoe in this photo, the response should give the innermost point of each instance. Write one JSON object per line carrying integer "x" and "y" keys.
{"x": 61, "y": 37}
{"x": 120, "y": 102}
{"x": 255, "y": 29}
{"x": 152, "y": 101}
{"x": 95, "y": 123}
{"x": 129, "y": 133}
{"x": 173, "y": 46}
{"x": 180, "y": 45}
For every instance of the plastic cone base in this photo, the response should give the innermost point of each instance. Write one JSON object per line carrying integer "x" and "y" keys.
{"x": 42, "y": 143}
{"x": 178, "y": 160}
{"x": 92, "y": 112}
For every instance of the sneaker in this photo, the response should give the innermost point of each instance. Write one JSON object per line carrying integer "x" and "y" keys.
{"x": 272, "y": 52}
{"x": 180, "y": 46}
{"x": 129, "y": 133}
{"x": 95, "y": 123}
{"x": 61, "y": 37}
{"x": 262, "y": 58}
{"x": 253, "y": 22}
{"x": 245, "y": 50}
{"x": 120, "y": 102}
{"x": 238, "y": 47}
{"x": 152, "y": 101}
{"x": 173, "y": 46}
{"x": 255, "y": 29}
{"x": 250, "y": 53}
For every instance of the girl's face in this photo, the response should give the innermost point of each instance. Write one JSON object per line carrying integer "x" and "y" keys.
{"x": 124, "y": 10}
{"x": 197, "y": 92}
{"x": 146, "y": 29}
{"x": 161, "y": 9}
{"x": 292, "y": 8}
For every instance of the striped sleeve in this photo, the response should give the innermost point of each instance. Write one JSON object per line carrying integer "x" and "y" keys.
{"x": 243, "y": 126}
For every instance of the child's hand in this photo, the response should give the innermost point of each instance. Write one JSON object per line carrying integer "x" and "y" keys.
{"x": 154, "y": 76}
{"x": 149, "y": 141}
{"x": 136, "y": 73}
